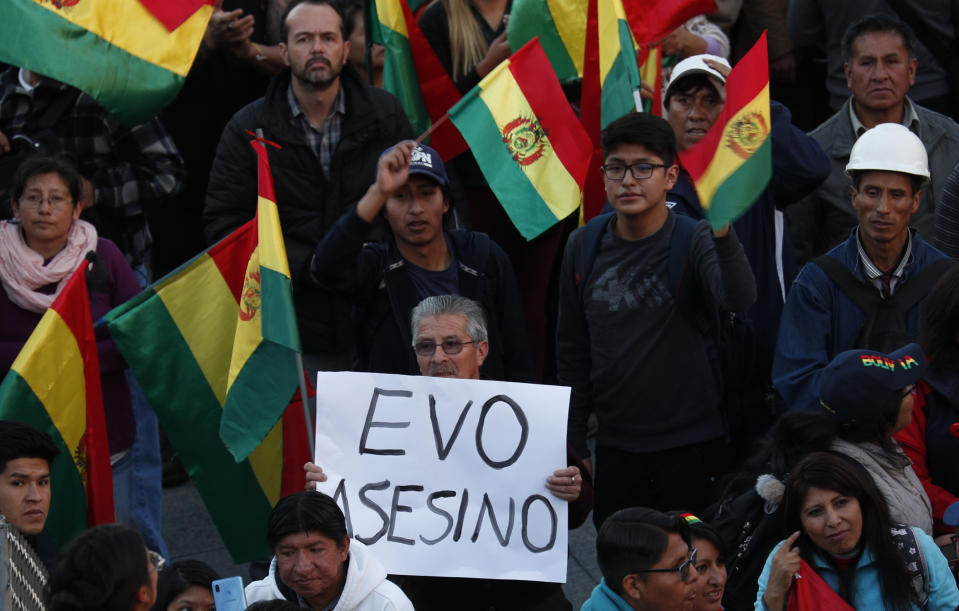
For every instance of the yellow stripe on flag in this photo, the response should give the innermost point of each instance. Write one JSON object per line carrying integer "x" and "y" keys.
{"x": 267, "y": 463}
{"x": 506, "y": 103}
{"x": 54, "y": 372}
{"x": 727, "y": 160}
{"x": 390, "y": 14}
{"x": 270, "y": 237}
{"x": 249, "y": 332}
{"x": 205, "y": 329}
{"x": 608, "y": 15}
{"x": 569, "y": 16}
{"x": 128, "y": 25}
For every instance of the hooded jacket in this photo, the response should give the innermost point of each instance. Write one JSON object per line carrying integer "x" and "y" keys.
{"x": 366, "y": 587}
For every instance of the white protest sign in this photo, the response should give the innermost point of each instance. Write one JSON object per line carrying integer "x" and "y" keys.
{"x": 447, "y": 477}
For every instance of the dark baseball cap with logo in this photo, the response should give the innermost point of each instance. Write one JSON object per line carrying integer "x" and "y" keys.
{"x": 427, "y": 162}
{"x": 859, "y": 383}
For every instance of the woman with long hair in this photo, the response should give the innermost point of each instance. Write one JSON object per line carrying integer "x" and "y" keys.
{"x": 106, "y": 568}
{"x": 841, "y": 529}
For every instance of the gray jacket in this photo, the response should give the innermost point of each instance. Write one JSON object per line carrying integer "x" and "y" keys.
{"x": 823, "y": 219}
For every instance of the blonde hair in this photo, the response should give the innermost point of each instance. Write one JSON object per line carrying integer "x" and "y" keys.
{"x": 467, "y": 45}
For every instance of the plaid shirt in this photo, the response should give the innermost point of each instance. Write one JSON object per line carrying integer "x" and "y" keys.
{"x": 323, "y": 141}
{"x": 129, "y": 167}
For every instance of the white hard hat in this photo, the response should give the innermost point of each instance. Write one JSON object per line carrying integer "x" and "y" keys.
{"x": 889, "y": 147}
{"x": 697, "y": 65}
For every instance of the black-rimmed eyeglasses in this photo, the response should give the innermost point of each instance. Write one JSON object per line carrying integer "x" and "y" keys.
{"x": 682, "y": 568}
{"x": 427, "y": 347}
{"x": 640, "y": 171}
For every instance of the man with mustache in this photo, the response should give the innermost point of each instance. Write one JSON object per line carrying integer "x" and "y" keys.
{"x": 880, "y": 67}
{"x": 385, "y": 280}
{"x": 331, "y": 127}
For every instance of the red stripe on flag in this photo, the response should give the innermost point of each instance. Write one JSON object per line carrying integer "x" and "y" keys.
{"x": 594, "y": 193}
{"x": 296, "y": 445}
{"x": 534, "y": 75}
{"x": 745, "y": 82}
{"x": 73, "y": 306}
{"x": 172, "y": 13}
{"x": 653, "y": 20}
{"x": 439, "y": 92}
{"x": 232, "y": 253}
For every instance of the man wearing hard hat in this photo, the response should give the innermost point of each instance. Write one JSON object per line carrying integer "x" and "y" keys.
{"x": 866, "y": 292}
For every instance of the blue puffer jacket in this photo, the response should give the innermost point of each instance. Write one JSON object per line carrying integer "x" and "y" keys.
{"x": 819, "y": 321}
{"x": 866, "y": 591}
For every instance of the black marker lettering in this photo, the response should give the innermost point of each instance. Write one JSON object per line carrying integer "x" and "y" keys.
{"x": 377, "y": 393}
{"x": 524, "y": 432}
{"x": 552, "y": 516}
{"x": 443, "y": 451}
{"x": 459, "y": 518}
{"x": 340, "y": 493}
{"x": 441, "y": 494}
{"x": 395, "y": 508}
{"x": 487, "y": 506}
{"x": 372, "y": 505}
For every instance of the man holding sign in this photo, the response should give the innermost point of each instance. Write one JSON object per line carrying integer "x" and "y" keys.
{"x": 450, "y": 340}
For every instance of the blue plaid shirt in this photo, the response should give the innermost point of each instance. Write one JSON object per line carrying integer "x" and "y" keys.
{"x": 322, "y": 140}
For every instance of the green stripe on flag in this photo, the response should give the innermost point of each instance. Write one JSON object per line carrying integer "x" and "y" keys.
{"x": 472, "y": 116}
{"x": 190, "y": 415}
{"x": 399, "y": 73}
{"x": 621, "y": 81}
{"x": 68, "y": 510}
{"x": 33, "y": 38}
{"x": 278, "y": 318}
{"x": 740, "y": 190}
{"x": 530, "y": 19}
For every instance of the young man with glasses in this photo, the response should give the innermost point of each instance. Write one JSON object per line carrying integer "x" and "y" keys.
{"x": 647, "y": 563}
{"x": 385, "y": 280}
{"x": 628, "y": 351}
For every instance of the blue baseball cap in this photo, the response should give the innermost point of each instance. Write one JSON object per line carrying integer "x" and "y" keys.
{"x": 858, "y": 383}
{"x": 427, "y": 162}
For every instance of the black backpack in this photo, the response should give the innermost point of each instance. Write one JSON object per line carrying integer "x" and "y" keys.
{"x": 884, "y": 327}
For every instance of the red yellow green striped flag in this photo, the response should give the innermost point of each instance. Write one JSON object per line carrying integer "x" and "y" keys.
{"x": 54, "y": 385}
{"x": 651, "y": 72}
{"x": 527, "y": 140}
{"x": 178, "y": 338}
{"x": 117, "y": 51}
{"x": 653, "y": 20}
{"x": 732, "y": 164}
{"x": 413, "y": 73}
{"x": 561, "y": 28}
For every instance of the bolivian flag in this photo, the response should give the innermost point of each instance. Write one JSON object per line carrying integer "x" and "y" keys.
{"x": 732, "y": 164}
{"x": 126, "y": 54}
{"x": 414, "y": 74}
{"x": 653, "y": 20}
{"x": 54, "y": 385}
{"x": 651, "y": 72}
{"x": 561, "y": 28}
{"x": 527, "y": 140}
{"x": 212, "y": 345}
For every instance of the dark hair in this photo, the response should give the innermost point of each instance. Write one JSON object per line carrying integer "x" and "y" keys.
{"x": 336, "y": 6}
{"x": 876, "y": 428}
{"x": 20, "y": 440}
{"x": 300, "y": 512}
{"x": 644, "y": 129}
{"x": 100, "y": 570}
{"x": 633, "y": 539}
{"x": 350, "y": 10}
{"x": 914, "y": 181}
{"x": 704, "y": 530}
{"x": 180, "y": 577}
{"x": 872, "y": 24}
{"x": 689, "y": 85}
{"x": 274, "y": 605}
{"x": 62, "y": 165}
{"x": 939, "y": 326}
{"x": 842, "y": 474}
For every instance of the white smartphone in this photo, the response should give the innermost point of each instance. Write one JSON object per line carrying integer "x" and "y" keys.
{"x": 228, "y": 594}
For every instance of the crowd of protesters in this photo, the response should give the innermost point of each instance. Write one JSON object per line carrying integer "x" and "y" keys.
{"x": 763, "y": 414}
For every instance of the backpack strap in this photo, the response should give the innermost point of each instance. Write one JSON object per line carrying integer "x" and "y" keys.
{"x": 680, "y": 243}
{"x": 472, "y": 275}
{"x": 916, "y": 288}
{"x": 914, "y": 560}
{"x": 864, "y": 296}
{"x": 587, "y": 247}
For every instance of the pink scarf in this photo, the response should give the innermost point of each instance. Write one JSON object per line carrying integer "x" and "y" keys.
{"x": 23, "y": 271}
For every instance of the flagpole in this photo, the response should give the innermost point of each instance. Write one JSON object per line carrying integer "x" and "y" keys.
{"x": 437, "y": 123}
{"x": 304, "y": 395}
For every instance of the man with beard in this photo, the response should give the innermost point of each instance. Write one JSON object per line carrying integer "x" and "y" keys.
{"x": 331, "y": 127}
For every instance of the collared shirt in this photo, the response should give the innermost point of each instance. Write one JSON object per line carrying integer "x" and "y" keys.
{"x": 322, "y": 139}
{"x": 909, "y": 118}
{"x": 875, "y": 275}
